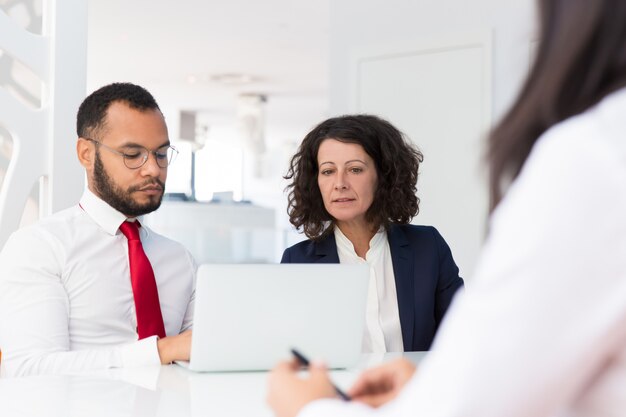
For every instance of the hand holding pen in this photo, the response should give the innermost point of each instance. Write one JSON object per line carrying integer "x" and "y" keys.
{"x": 288, "y": 392}
{"x": 305, "y": 363}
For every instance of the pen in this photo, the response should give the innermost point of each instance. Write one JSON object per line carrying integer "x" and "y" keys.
{"x": 305, "y": 362}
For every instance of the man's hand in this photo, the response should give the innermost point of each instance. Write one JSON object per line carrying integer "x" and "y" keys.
{"x": 288, "y": 393}
{"x": 379, "y": 385}
{"x": 175, "y": 348}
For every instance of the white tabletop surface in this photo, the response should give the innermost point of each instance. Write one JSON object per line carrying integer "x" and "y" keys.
{"x": 158, "y": 391}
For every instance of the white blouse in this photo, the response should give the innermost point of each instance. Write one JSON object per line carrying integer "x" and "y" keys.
{"x": 382, "y": 320}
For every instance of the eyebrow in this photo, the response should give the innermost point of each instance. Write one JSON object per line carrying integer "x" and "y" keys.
{"x": 136, "y": 145}
{"x": 347, "y": 162}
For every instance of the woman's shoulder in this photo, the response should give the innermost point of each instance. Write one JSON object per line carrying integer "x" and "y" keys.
{"x": 323, "y": 249}
{"x": 415, "y": 231}
{"x": 596, "y": 132}
{"x": 309, "y": 250}
{"x": 419, "y": 236}
{"x": 301, "y": 246}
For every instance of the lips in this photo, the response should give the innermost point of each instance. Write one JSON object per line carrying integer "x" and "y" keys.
{"x": 343, "y": 200}
{"x": 152, "y": 188}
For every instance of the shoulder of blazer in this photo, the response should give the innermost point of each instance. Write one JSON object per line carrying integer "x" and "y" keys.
{"x": 410, "y": 234}
{"x": 308, "y": 251}
{"x": 422, "y": 239}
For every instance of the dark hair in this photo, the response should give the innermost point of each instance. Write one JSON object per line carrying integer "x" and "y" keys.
{"x": 397, "y": 164}
{"x": 91, "y": 117}
{"x": 581, "y": 58}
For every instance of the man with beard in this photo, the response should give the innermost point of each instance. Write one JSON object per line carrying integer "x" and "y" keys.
{"x": 91, "y": 287}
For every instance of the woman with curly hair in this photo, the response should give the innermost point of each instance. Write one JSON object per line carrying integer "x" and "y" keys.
{"x": 352, "y": 192}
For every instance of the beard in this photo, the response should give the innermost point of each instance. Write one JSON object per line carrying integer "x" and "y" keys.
{"x": 122, "y": 200}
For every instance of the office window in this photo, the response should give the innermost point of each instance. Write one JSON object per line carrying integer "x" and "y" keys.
{"x": 218, "y": 166}
{"x": 219, "y": 169}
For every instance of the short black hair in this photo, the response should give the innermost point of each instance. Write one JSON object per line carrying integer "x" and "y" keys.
{"x": 92, "y": 112}
{"x": 397, "y": 165}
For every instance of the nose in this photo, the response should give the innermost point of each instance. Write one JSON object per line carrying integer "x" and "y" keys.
{"x": 340, "y": 183}
{"x": 150, "y": 167}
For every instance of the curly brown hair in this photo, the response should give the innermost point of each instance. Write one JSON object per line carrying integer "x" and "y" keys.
{"x": 397, "y": 165}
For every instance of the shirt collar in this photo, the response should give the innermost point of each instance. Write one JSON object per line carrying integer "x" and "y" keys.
{"x": 102, "y": 213}
{"x": 342, "y": 240}
{"x": 376, "y": 243}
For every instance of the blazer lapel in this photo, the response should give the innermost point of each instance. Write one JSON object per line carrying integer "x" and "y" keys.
{"x": 403, "y": 270}
{"x": 326, "y": 250}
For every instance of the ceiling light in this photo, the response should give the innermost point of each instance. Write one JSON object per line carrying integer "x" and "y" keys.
{"x": 232, "y": 78}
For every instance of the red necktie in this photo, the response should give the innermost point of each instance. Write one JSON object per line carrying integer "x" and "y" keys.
{"x": 147, "y": 307}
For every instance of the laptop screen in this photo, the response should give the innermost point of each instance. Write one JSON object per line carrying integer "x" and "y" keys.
{"x": 247, "y": 317}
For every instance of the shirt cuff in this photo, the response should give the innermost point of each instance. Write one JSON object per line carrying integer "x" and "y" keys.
{"x": 144, "y": 352}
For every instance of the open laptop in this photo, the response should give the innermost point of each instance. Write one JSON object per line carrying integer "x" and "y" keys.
{"x": 248, "y": 317}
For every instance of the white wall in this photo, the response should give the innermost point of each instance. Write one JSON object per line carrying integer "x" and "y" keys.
{"x": 386, "y": 56}
{"x": 357, "y": 23}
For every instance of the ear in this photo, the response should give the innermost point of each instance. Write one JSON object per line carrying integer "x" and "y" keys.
{"x": 86, "y": 153}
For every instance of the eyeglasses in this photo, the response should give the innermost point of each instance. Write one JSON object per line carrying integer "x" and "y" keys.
{"x": 137, "y": 158}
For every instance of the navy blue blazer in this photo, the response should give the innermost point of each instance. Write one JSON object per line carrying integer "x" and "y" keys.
{"x": 425, "y": 273}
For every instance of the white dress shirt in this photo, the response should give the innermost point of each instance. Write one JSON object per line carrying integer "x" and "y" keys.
{"x": 66, "y": 301}
{"x": 382, "y": 320}
{"x": 542, "y": 329}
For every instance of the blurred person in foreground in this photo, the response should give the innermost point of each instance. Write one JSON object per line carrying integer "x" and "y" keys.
{"x": 543, "y": 330}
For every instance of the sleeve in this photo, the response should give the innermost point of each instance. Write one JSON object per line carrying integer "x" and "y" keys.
{"x": 34, "y": 316}
{"x": 286, "y": 259}
{"x": 188, "y": 319}
{"x": 547, "y": 308}
{"x": 449, "y": 281}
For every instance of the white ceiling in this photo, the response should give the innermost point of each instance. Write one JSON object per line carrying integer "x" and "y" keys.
{"x": 165, "y": 45}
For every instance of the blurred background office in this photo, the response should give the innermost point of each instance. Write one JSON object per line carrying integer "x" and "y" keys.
{"x": 240, "y": 83}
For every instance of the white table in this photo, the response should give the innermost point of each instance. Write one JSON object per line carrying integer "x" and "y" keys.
{"x": 159, "y": 391}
